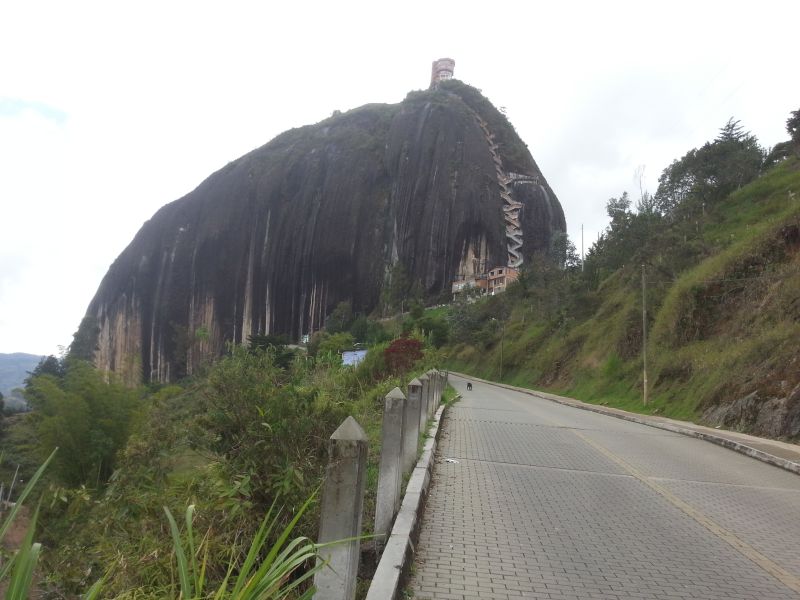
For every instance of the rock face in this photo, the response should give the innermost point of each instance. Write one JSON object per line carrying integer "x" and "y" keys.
{"x": 274, "y": 240}
{"x": 770, "y": 417}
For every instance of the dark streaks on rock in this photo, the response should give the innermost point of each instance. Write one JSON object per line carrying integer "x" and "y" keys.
{"x": 274, "y": 240}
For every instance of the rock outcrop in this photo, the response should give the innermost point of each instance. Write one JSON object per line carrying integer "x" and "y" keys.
{"x": 274, "y": 240}
{"x": 769, "y": 417}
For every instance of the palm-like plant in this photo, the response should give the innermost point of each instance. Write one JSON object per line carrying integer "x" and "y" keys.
{"x": 18, "y": 570}
{"x": 271, "y": 578}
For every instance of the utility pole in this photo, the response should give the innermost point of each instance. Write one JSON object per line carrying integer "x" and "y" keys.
{"x": 644, "y": 333}
{"x": 581, "y": 247}
{"x": 502, "y": 337}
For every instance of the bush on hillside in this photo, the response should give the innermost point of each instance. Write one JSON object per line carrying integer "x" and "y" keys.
{"x": 401, "y": 355}
{"x": 274, "y": 432}
{"x": 436, "y": 328}
{"x": 88, "y": 418}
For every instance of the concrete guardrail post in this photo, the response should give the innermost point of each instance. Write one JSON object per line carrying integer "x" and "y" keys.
{"x": 390, "y": 473}
{"x": 431, "y": 392}
{"x": 439, "y": 390}
{"x": 411, "y": 425}
{"x": 340, "y": 514}
{"x": 435, "y": 403}
{"x": 423, "y": 402}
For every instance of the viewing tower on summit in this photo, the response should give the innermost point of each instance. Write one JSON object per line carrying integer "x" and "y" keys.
{"x": 442, "y": 69}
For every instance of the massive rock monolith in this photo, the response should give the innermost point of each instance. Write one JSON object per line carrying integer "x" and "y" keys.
{"x": 321, "y": 214}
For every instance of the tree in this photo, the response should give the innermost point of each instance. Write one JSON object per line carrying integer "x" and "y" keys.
{"x": 88, "y": 418}
{"x": 646, "y": 204}
{"x": 777, "y": 153}
{"x": 340, "y": 318}
{"x": 395, "y": 289}
{"x": 734, "y": 159}
{"x": 367, "y": 331}
{"x": 360, "y": 329}
{"x": 435, "y": 327}
{"x": 676, "y": 183}
{"x": 618, "y": 209}
{"x": 732, "y": 131}
{"x": 402, "y": 354}
{"x": 336, "y": 343}
{"x": 329, "y": 345}
{"x": 562, "y": 254}
{"x": 48, "y": 365}
{"x": 706, "y": 175}
{"x": 276, "y": 345}
{"x": 463, "y": 317}
{"x": 417, "y": 309}
{"x": 793, "y": 127}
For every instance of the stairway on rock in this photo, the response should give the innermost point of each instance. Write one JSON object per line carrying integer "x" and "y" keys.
{"x": 511, "y": 208}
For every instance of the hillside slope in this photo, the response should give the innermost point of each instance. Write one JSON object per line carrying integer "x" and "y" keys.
{"x": 723, "y": 316}
{"x": 322, "y": 214}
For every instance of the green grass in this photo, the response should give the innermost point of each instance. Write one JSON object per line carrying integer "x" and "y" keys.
{"x": 756, "y": 205}
{"x": 436, "y": 311}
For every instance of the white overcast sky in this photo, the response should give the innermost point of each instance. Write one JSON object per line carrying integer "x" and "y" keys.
{"x": 109, "y": 110}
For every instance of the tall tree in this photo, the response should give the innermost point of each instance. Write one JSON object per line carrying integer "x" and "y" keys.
{"x": 396, "y": 289}
{"x": 708, "y": 174}
{"x": 340, "y": 318}
{"x": 618, "y": 209}
{"x": 87, "y": 418}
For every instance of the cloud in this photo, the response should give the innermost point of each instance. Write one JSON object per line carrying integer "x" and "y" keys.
{"x": 14, "y": 107}
{"x": 110, "y": 111}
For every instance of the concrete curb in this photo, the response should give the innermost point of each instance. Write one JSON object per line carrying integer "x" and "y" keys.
{"x": 740, "y": 447}
{"x": 399, "y": 549}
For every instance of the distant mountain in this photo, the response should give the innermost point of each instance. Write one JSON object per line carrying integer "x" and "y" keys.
{"x": 14, "y": 369}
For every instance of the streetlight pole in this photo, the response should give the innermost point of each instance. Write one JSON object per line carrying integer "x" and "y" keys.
{"x": 502, "y": 337}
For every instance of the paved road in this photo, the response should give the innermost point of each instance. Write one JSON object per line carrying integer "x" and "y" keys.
{"x": 548, "y": 501}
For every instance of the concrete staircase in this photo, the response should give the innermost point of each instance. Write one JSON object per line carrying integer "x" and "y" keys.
{"x": 511, "y": 208}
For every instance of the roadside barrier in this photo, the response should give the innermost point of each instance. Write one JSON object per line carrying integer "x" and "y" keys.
{"x": 404, "y": 417}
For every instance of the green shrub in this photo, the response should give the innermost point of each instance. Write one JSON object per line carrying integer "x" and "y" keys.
{"x": 435, "y": 327}
{"x": 274, "y": 432}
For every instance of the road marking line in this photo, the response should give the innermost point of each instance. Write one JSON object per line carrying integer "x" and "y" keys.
{"x": 547, "y": 467}
{"x": 788, "y": 579}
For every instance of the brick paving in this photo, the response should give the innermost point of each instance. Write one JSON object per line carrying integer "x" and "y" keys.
{"x": 532, "y": 509}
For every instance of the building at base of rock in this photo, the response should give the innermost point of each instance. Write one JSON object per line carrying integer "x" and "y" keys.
{"x": 494, "y": 281}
